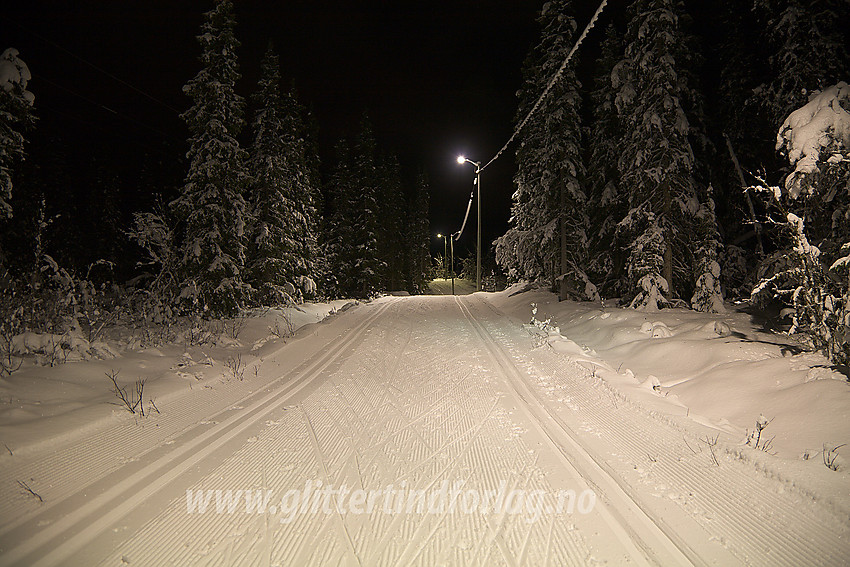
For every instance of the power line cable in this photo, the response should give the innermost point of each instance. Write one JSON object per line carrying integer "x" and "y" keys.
{"x": 457, "y": 234}
{"x": 93, "y": 66}
{"x": 106, "y": 108}
{"x": 549, "y": 86}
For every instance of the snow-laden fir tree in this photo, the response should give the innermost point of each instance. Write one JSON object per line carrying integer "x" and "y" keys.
{"x": 605, "y": 201}
{"x": 16, "y": 117}
{"x": 708, "y": 296}
{"x": 336, "y": 234}
{"x": 363, "y": 211}
{"x": 809, "y": 51}
{"x": 211, "y": 205}
{"x": 391, "y": 223}
{"x": 351, "y": 239}
{"x": 549, "y": 232}
{"x": 417, "y": 249}
{"x": 281, "y": 244}
{"x": 657, "y": 160}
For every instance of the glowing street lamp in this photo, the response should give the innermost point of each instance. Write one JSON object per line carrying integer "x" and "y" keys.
{"x": 462, "y": 160}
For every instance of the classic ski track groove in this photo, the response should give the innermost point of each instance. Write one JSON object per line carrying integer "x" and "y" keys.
{"x": 165, "y": 467}
{"x": 426, "y": 443}
{"x": 654, "y": 545}
{"x": 734, "y": 496}
{"x": 394, "y": 410}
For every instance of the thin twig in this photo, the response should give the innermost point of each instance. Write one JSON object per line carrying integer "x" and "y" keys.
{"x": 26, "y": 487}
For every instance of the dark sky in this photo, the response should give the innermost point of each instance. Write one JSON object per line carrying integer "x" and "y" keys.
{"x": 437, "y": 78}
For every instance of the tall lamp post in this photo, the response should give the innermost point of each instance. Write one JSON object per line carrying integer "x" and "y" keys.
{"x": 445, "y": 253}
{"x": 461, "y": 160}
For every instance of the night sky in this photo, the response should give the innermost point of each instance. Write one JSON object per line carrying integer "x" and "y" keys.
{"x": 437, "y": 79}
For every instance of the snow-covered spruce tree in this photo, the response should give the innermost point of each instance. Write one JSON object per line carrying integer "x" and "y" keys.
{"x": 813, "y": 275}
{"x": 657, "y": 161}
{"x": 336, "y": 234}
{"x": 605, "y": 200}
{"x": 808, "y": 51}
{"x": 548, "y": 211}
{"x": 309, "y": 200}
{"x": 708, "y": 296}
{"x": 417, "y": 249}
{"x": 351, "y": 239}
{"x": 280, "y": 244}
{"x": 391, "y": 208}
{"x": 364, "y": 209}
{"x": 16, "y": 117}
{"x": 211, "y": 206}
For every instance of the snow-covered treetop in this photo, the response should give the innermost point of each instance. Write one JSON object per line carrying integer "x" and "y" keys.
{"x": 15, "y": 73}
{"x": 822, "y": 123}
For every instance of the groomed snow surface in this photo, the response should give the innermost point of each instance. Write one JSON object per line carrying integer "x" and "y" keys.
{"x": 432, "y": 430}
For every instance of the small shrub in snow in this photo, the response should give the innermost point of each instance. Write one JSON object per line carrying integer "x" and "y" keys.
{"x": 11, "y": 311}
{"x": 282, "y": 327}
{"x": 830, "y": 454}
{"x": 755, "y": 440}
{"x": 236, "y": 367}
{"x": 233, "y": 327}
{"x": 131, "y": 400}
{"x": 711, "y": 443}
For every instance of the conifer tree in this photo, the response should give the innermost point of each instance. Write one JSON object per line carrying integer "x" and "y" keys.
{"x": 337, "y": 250}
{"x": 353, "y": 224}
{"x": 605, "y": 201}
{"x": 391, "y": 205}
{"x": 418, "y": 256}
{"x": 211, "y": 205}
{"x": 282, "y": 238}
{"x": 657, "y": 160}
{"x": 16, "y": 117}
{"x": 808, "y": 51}
{"x": 363, "y": 207}
{"x": 549, "y": 232}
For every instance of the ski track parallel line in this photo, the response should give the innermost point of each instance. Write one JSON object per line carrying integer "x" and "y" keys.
{"x": 620, "y": 502}
{"x": 164, "y": 469}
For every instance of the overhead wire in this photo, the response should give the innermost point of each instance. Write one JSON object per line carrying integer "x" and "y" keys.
{"x": 551, "y": 83}
{"x": 96, "y": 104}
{"x": 534, "y": 108}
{"x": 96, "y": 67}
{"x": 456, "y": 235}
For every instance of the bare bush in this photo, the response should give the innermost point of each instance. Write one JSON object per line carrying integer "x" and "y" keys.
{"x": 236, "y": 367}
{"x": 131, "y": 400}
{"x": 755, "y": 438}
{"x": 830, "y": 454}
{"x": 282, "y": 327}
{"x": 711, "y": 442}
{"x": 233, "y": 327}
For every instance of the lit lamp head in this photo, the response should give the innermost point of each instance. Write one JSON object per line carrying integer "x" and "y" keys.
{"x": 461, "y": 159}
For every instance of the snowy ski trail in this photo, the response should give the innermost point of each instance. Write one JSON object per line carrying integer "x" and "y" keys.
{"x": 438, "y": 400}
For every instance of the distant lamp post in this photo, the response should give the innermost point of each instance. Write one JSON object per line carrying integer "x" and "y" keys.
{"x": 452, "y": 260}
{"x": 462, "y": 160}
{"x": 445, "y": 254}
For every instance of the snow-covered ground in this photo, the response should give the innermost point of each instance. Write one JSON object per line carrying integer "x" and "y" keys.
{"x": 433, "y": 430}
{"x": 722, "y": 370}
{"x": 444, "y": 286}
{"x": 43, "y": 406}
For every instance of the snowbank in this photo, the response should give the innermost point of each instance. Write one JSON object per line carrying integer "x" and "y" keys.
{"x": 43, "y": 405}
{"x": 717, "y": 369}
